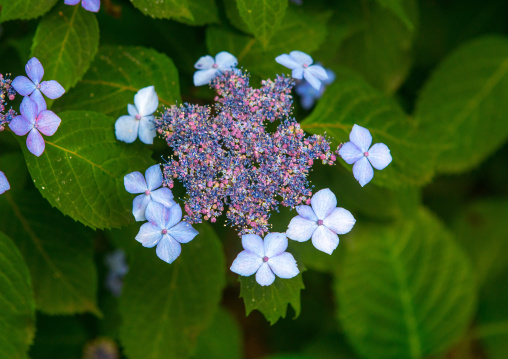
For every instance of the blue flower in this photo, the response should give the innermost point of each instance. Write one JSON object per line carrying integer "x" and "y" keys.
{"x": 358, "y": 152}
{"x": 33, "y": 86}
{"x": 90, "y": 5}
{"x": 135, "y": 183}
{"x": 308, "y": 94}
{"x": 302, "y": 67}
{"x": 4, "y": 184}
{"x": 140, "y": 119}
{"x": 165, "y": 230}
{"x": 322, "y": 221}
{"x": 208, "y": 68}
{"x": 265, "y": 258}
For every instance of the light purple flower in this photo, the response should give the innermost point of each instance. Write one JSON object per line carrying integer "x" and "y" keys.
{"x": 308, "y": 94}
{"x": 358, "y": 152}
{"x": 208, "y": 68}
{"x": 265, "y": 258}
{"x": 135, "y": 183}
{"x": 140, "y": 118}
{"x": 34, "y": 122}
{"x": 90, "y": 5}
{"x": 165, "y": 230}
{"x": 322, "y": 221}
{"x": 4, "y": 184}
{"x": 302, "y": 67}
{"x": 33, "y": 86}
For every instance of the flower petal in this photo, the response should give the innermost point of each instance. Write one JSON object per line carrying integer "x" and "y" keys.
{"x": 225, "y": 60}
{"x": 174, "y": 215}
{"x": 163, "y": 196}
{"x": 146, "y": 101}
{"x": 147, "y": 130}
{"x": 306, "y": 212}
{"x": 350, "y": 153}
{"x": 300, "y": 229}
{"x": 37, "y": 97}
{"x": 71, "y": 2}
{"x": 139, "y": 207}
{"x": 203, "y": 77}
{"x": 379, "y": 156}
{"x": 297, "y": 73}
{"x": 52, "y": 89}
{"x": 149, "y": 235}
{"x": 301, "y": 58}
{"x": 4, "y": 184}
{"x": 323, "y": 203}
{"x": 264, "y": 275}
{"x": 341, "y": 221}
{"x": 28, "y": 109}
{"x": 48, "y": 122}
{"x": 157, "y": 214}
{"x": 132, "y": 110}
{"x": 23, "y": 85}
{"x": 134, "y": 182}
{"x": 168, "y": 249}
{"x": 288, "y": 61}
{"x": 361, "y": 137}
{"x": 325, "y": 240}
{"x": 34, "y": 70}
{"x": 253, "y": 243}
{"x": 363, "y": 172}
{"x": 204, "y": 63}
{"x": 284, "y": 265}
{"x": 91, "y": 5}
{"x": 126, "y": 129}
{"x": 153, "y": 177}
{"x": 318, "y": 72}
{"x": 35, "y": 142}
{"x": 312, "y": 80}
{"x": 20, "y": 126}
{"x": 246, "y": 263}
{"x": 183, "y": 232}
{"x": 331, "y": 77}
{"x": 275, "y": 244}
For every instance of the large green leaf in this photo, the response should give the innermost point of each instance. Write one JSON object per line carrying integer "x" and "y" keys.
{"x": 81, "y": 171}
{"x": 57, "y": 250}
{"x": 263, "y": 17}
{"x": 116, "y": 75}
{"x": 65, "y": 43}
{"x": 348, "y": 101}
{"x": 167, "y": 9}
{"x": 17, "y": 316}
{"x": 462, "y": 108}
{"x": 166, "y": 306}
{"x": 404, "y": 291}
{"x": 24, "y": 9}
{"x": 397, "y": 7}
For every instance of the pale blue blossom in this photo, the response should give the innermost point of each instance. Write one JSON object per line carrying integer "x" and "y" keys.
{"x": 308, "y": 94}
{"x": 90, "y": 5}
{"x": 302, "y": 67}
{"x": 209, "y": 68}
{"x": 4, "y": 184}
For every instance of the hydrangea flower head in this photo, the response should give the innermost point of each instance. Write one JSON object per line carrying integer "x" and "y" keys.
{"x": 90, "y": 5}
{"x": 302, "y": 67}
{"x": 34, "y": 122}
{"x": 322, "y": 221}
{"x": 165, "y": 230}
{"x": 33, "y": 86}
{"x": 7, "y": 92}
{"x": 209, "y": 68}
{"x": 4, "y": 184}
{"x": 308, "y": 94}
{"x": 140, "y": 118}
{"x": 135, "y": 183}
{"x": 267, "y": 258}
{"x": 364, "y": 157}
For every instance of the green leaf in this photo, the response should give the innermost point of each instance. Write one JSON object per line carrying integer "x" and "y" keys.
{"x": 14, "y": 167}
{"x": 116, "y": 75}
{"x": 406, "y": 287}
{"x": 24, "y": 9}
{"x": 272, "y": 300}
{"x": 263, "y": 17}
{"x": 348, "y": 101}
{"x": 17, "y": 316}
{"x": 203, "y": 12}
{"x": 65, "y": 43}
{"x": 462, "y": 108}
{"x": 397, "y": 7}
{"x": 81, "y": 171}
{"x": 166, "y": 306}
{"x": 58, "y": 252}
{"x": 167, "y": 9}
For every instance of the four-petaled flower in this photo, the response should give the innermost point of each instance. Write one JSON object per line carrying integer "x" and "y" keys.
{"x": 358, "y": 152}
{"x": 165, "y": 230}
{"x": 4, "y": 184}
{"x": 33, "y": 122}
{"x": 265, "y": 258}
{"x": 208, "y": 68}
{"x": 308, "y": 94}
{"x": 323, "y": 221}
{"x": 135, "y": 183}
{"x": 302, "y": 67}
{"x": 140, "y": 118}
{"x": 33, "y": 87}
{"x": 90, "y": 5}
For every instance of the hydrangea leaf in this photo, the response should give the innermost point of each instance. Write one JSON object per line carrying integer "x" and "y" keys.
{"x": 24, "y": 9}
{"x": 65, "y": 43}
{"x": 168, "y": 9}
{"x": 116, "y": 75}
{"x": 82, "y": 168}
{"x": 203, "y": 12}
{"x": 397, "y": 7}
{"x": 59, "y": 253}
{"x": 17, "y": 317}
{"x": 412, "y": 280}
{"x": 466, "y": 95}
{"x": 348, "y": 101}
{"x": 166, "y": 306}
{"x": 263, "y": 17}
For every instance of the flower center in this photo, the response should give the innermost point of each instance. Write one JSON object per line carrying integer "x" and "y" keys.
{"x": 265, "y": 259}
{"x": 305, "y": 66}
{"x": 38, "y": 86}
{"x": 147, "y": 192}
{"x": 164, "y": 231}
{"x": 138, "y": 117}
{"x": 320, "y": 222}
{"x": 215, "y": 66}
{"x": 366, "y": 154}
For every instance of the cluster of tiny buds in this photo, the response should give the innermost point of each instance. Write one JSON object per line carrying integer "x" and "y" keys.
{"x": 7, "y": 93}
